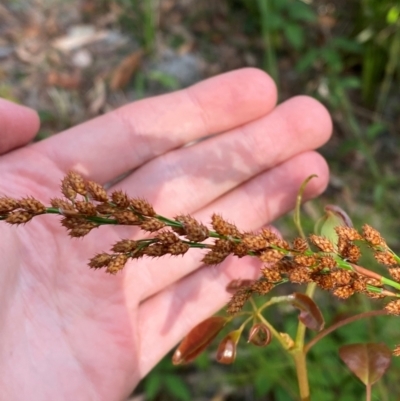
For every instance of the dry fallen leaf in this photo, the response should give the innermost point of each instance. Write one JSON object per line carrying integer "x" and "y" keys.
{"x": 124, "y": 71}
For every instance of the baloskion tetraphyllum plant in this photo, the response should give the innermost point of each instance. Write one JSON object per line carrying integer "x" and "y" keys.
{"x": 327, "y": 259}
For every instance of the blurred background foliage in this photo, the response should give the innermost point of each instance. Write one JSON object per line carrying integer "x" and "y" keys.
{"x": 72, "y": 60}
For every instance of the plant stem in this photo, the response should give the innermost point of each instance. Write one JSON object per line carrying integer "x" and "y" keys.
{"x": 299, "y": 357}
{"x": 341, "y": 323}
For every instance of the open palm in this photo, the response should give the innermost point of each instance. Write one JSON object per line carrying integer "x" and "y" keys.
{"x": 71, "y": 333}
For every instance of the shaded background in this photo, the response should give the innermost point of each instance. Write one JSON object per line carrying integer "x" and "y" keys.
{"x": 73, "y": 60}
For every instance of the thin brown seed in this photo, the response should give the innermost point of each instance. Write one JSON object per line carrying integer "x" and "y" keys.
{"x": 143, "y": 207}
{"x": 96, "y": 191}
{"x": 18, "y": 217}
{"x": 8, "y": 204}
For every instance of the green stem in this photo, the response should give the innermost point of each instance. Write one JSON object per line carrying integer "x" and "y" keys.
{"x": 301, "y": 371}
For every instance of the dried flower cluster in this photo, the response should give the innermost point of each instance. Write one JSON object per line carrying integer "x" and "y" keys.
{"x": 332, "y": 266}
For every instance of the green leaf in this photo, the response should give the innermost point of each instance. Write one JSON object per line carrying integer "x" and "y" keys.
{"x": 152, "y": 385}
{"x": 177, "y": 388}
{"x": 295, "y": 35}
{"x": 307, "y": 60}
{"x": 301, "y": 12}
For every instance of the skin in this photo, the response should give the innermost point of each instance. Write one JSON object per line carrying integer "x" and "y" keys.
{"x": 69, "y": 332}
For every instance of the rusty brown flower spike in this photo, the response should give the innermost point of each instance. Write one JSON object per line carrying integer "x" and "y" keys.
{"x": 332, "y": 265}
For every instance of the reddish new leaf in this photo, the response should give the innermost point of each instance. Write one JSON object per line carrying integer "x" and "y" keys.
{"x": 310, "y": 315}
{"x": 226, "y": 352}
{"x": 367, "y": 361}
{"x": 260, "y": 335}
{"x": 198, "y": 339}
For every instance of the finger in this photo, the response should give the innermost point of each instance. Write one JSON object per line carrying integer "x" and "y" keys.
{"x": 221, "y": 163}
{"x": 18, "y": 125}
{"x": 250, "y": 206}
{"x": 124, "y": 139}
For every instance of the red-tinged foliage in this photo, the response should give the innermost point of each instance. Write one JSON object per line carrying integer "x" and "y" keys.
{"x": 368, "y": 361}
{"x": 226, "y": 352}
{"x": 310, "y": 315}
{"x": 198, "y": 339}
{"x": 260, "y": 335}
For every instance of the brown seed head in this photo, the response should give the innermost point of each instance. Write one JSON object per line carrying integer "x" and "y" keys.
{"x": 167, "y": 237}
{"x": 396, "y": 351}
{"x": 271, "y": 256}
{"x": 359, "y": 285}
{"x": 306, "y": 260}
{"x": 78, "y": 232}
{"x": 62, "y": 204}
{"x": 120, "y": 199}
{"x": 124, "y": 246}
{"x": 327, "y": 261}
{"x": 348, "y": 233}
{"x": 341, "y": 277}
{"x": 395, "y": 273}
{"x": 105, "y": 208}
{"x": 77, "y": 183}
{"x": 262, "y": 286}
{"x": 300, "y": 244}
{"x": 238, "y": 300}
{"x": 255, "y": 242}
{"x": 100, "y": 260}
{"x": 322, "y": 243}
{"x": 73, "y": 222}
{"x": 194, "y": 231}
{"x": 223, "y": 245}
{"x": 272, "y": 275}
{"x": 96, "y": 191}
{"x": 126, "y": 217}
{"x": 373, "y": 236}
{"x": 66, "y": 189}
{"x": 214, "y": 257}
{"x": 240, "y": 250}
{"x": 393, "y": 307}
{"x": 32, "y": 205}
{"x": 151, "y": 225}
{"x": 8, "y": 205}
{"x": 385, "y": 258}
{"x": 344, "y": 292}
{"x": 143, "y": 207}
{"x": 222, "y": 227}
{"x": 18, "y": 217}
{"x": 352, "y": 253}
{"x": 300, "y": 275}
{"x": 86, "y": 208}
{"x": 156, "y": 250}
{"x": 325, "y": 281}
{"x": 179, "y": 248}
{"x": 117, "y": 264}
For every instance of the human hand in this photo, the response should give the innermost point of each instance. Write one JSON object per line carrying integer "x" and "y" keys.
{"x": 71, "y": 333}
